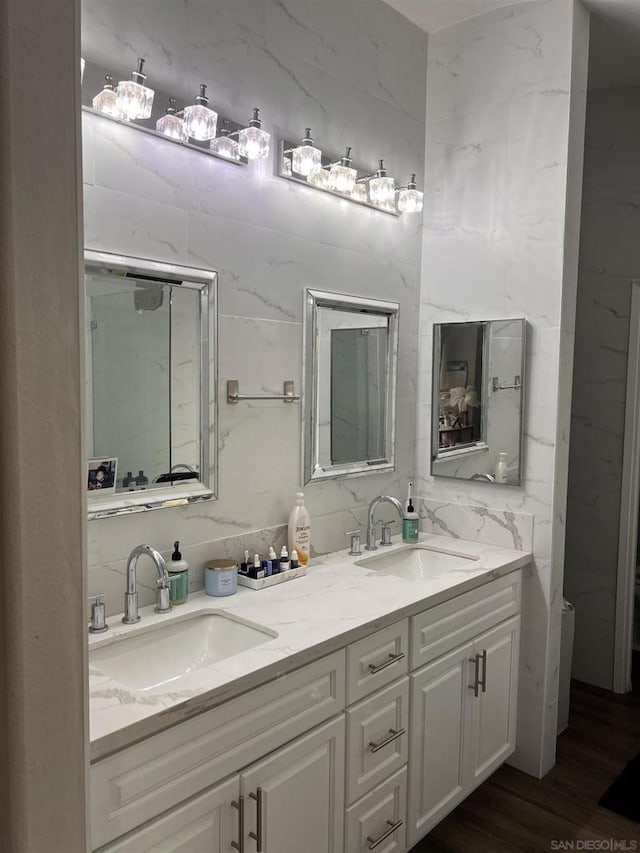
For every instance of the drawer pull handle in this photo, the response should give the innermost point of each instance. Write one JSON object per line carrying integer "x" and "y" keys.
{"x": 476, "y": 683}
{"x": 376, "y": 842}
{"x": 377, "y": 667}
{"x": 483, "y": 680}
{"x": 394, "y": 734}
{"x": 239, "y": 804}
{"x": 257, "y": 837}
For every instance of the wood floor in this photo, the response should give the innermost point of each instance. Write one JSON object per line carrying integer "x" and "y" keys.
{"x": 513, "y": 812}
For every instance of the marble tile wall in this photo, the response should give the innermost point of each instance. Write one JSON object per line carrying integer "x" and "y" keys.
{"x": 608, "y": 261}
{"x": 355, "y": 73}
{"x": 499, "y": 241}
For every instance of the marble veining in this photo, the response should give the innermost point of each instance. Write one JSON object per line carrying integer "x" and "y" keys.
{"x": 336, "y": 603}
{"x": 502, "y": 207}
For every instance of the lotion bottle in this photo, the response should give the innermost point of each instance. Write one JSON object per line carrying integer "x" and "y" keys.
{"x": 410, "y": 521}
{"x": 501, "y": 468}
{"x": 300, "y": 530}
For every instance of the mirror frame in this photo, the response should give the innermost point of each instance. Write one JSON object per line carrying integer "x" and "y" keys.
{"x": 478, "y": 446}
{"x": 205, "y": 282}
{"x": 313, "y": 301}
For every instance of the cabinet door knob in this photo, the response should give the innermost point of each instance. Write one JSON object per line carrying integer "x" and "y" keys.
{"x": 376, "y": 842}
{"x": 476, "y": 684}
{"x": 239, "y": 804}
{"x": 483, "y": 680}
{"x": 394, "y": 734}
{"x": 377, "y": 667}
{"x": 257, "y": 837}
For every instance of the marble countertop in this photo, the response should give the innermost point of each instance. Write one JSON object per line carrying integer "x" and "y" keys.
{"x": 337, "y": 603}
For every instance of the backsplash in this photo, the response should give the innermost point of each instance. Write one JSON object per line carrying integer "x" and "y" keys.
{"x": 477, "y": 523}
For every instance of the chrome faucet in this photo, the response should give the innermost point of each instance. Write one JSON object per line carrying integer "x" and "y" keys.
{"x": 131, "y": 615}
{"x": 488, "y": 477}
{"x": 371, "y": 527}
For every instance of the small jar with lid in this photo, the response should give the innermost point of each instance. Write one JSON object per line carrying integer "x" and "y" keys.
{"x": 220, "y": 577}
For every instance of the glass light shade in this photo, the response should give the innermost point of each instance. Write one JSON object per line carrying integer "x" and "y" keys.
{"x": 410, "y": 201}
{"x": 253, "y": 143}
{"x": 360, "y": 192}
{"x": 134, "y": 101}
{"x": 306, "y": 159}
{"x": 200, "y": 122}
{"x": 342, "y": 179}
{"x": 225, "y": 147}
{"x": 172, "y": 126}
{"x": 382, "y": 191}
{"x": 319, "y": 179}
{"x": 105, "y": 101}
{"x": 82, "y": 65}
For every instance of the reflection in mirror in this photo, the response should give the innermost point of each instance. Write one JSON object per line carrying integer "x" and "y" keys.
{"x": 349, "y": 391}
{"x": 150, "y": 391}
{"x": 477, "y": 400}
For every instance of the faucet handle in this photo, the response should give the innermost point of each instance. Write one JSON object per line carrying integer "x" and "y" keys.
{"x": 354, "y": 550}
{"x": 386, "y": 532}
{"x": 163, "y": 604}
{"x": 98, "y": 622}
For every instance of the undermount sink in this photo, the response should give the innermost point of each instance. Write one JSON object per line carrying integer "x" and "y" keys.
{"x": 416, "y": 562}
{"x": 151, "y": 659}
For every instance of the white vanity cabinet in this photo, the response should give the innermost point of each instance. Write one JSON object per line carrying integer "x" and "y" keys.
{"x": 296, "y": 793}
{"x": 463, "y": 705}
{"x": 363, "y": 750}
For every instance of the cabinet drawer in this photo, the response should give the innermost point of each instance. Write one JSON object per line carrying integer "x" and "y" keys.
{"x": 377, "y": 660}
{"x": 140, "y": 782}
{"x": 440, "y": 629}
{"x": 377, "y": 736}
{"x": 205, "y": 824}
{"x": 370, "y": 822}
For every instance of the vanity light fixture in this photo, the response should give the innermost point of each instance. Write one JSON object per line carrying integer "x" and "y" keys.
{"x": 342, "y": 178}
{"x": 134, "y": 100}
{"x": 200, "y": 121}
{"x": 360, "y": 193}
{"x": 171, "y": 124}
{"x": 82, "y": 65}
{"x": 253, "y": 142}
{"x": 224, "y": 145}
{"x": 319, "y": 178}
{"x": 410, "y": 199}
{"x": 382, "y": 189}
{"x": 306, "y": 159}
{"x": 105, "y": 100}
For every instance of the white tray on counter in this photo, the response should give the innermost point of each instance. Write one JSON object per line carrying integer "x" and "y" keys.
{"x": 272, "y": 580}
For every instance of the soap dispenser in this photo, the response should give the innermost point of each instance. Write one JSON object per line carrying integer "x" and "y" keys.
{"x": 410, "y": 520}
{"x": 178, "y": 570}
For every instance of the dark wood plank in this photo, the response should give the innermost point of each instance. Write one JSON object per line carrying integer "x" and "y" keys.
{"x": 515, "y": 813}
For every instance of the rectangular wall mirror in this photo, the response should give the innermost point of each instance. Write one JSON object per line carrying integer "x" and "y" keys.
{"x": 478, "y": 374}
{"x": 150, "y": 383}
{"x": 349, "y": 393}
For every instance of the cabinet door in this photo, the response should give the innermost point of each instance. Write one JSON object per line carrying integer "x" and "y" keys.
{"x": 206, "y": 824}
{"x": 294, "y": 799}
{"x": 439, "y": 735}
{"x": 494, "y": 710}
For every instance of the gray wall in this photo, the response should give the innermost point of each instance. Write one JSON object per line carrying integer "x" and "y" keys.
{"x": 355, "y": 73}
{"x": 609, "y": 259}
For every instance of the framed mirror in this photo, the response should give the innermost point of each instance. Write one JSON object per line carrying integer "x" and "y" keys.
{"x": 150, "y": 384}
{"x": 478, "y": 391}
{"x": 349, "y": 385}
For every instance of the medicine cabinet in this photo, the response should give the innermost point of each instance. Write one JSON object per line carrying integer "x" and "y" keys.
{"x": 478, "y": 390}
{"x": 349, "y": 391}
{"x": 150, "y": 384}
